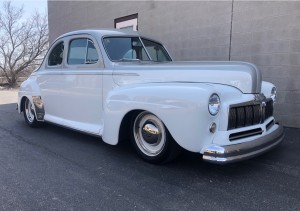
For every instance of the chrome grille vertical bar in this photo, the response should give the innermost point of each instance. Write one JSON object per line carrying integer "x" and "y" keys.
{"x": 251, "y": 113}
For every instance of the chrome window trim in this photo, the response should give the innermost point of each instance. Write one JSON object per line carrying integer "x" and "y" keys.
{"x": 145, "y": 49}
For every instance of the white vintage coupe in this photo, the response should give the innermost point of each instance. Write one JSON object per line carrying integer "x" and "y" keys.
{"x": 120, "y": 85}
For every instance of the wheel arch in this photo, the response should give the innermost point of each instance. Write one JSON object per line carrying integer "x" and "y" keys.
{"x": 126, "y": 123}
{"x": 124, "y": 130}
{"x": 22, "y": 104}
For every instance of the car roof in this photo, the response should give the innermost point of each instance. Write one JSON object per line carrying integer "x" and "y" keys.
{"x": 102, "y": 32}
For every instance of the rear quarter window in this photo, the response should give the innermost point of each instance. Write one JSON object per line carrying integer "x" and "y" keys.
{"x": 56, "y": 55}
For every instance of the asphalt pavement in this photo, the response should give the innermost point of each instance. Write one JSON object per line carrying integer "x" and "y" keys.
{"x": 53, "y": 168}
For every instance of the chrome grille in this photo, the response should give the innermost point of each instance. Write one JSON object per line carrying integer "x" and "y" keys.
{"x": 251, "y": 114}
{"x": 245, "y": 134}
{"x": 269, "y": 109}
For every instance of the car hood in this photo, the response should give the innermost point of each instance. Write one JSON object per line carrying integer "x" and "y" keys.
{"x": 244, "y": 76}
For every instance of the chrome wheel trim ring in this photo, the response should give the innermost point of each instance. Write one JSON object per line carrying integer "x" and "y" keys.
{"x": 149, "y": 148}
{"x": 29, "y": 111}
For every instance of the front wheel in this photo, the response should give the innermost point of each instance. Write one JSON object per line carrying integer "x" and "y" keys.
{"x": 152, "y": 140}
{"x": 29, "y": 114}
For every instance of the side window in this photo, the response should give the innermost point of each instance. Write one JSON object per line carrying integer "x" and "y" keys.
{"x": 56, "y": 55}
{"x": 82, "y": 51}
{"x": 156, "y": 51}
{"x": 91, "y": 53}
{"x": 77, "y": 51}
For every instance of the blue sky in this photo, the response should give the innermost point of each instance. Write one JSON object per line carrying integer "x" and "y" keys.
{"x": 31, "y": 5}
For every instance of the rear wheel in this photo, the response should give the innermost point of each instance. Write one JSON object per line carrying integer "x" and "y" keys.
{"x": 29, "y": 114}
{"x": 152, "y": 140}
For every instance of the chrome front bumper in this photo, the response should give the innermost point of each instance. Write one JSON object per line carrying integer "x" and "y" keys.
{"x": 238, "y": 152}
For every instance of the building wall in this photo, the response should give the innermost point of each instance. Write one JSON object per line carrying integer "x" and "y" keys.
{"x": 205, "y": 36}
{"x": 268, "y": 34}
{"x": 265, "y": 33}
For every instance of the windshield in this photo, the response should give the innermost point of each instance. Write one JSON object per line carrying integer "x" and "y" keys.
{"x": 131, "y": 48}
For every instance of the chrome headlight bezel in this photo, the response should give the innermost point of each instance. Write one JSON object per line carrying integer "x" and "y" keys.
{"x": 274, "y": 94}
{"x": 214, "y": 104}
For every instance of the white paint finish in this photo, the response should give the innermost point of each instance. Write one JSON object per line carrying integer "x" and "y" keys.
{"x": 181, "y": 106}
{"x": 266, "y": 88}
{"x": 172, "y": 103}
{"x": 221, "y": 137}
{"x": 243, "y": 76}
{"x": 95, "y": 98}
{"x": 73, "y": 97}
{"x": 92, "y": 129}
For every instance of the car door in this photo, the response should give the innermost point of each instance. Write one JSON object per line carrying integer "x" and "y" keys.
{"x": 72, "y": 90}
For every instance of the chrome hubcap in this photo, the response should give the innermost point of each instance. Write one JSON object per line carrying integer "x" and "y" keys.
{"x": 29, "y": 111}
{"x": 149, "y": 133}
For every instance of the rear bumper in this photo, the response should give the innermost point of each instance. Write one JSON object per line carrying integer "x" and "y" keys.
{"x": 238, "y": 152}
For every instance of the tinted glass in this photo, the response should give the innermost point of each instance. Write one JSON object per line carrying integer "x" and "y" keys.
{"x": 77, "y": 51}
{"x": 91, "y": 53}
{"x": 156, "y": 51}
{"x": 124, "y": 48}
{"x": 56, "y": 55}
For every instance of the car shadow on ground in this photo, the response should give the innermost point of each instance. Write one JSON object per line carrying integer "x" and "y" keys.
{"x": 186, "y": 161}
{"x": 74, "y": 144}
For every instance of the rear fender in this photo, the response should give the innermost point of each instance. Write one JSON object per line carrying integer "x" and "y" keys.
{"x": 30, "y": 89}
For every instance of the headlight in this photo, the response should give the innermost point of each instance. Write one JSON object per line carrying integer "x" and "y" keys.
{"x": 214, "y": 104}
{"x": 274, "y": 94}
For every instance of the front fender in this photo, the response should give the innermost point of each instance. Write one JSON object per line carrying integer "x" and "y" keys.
{"x": 182, "y": 107}
{"x": 266, "y": 88}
